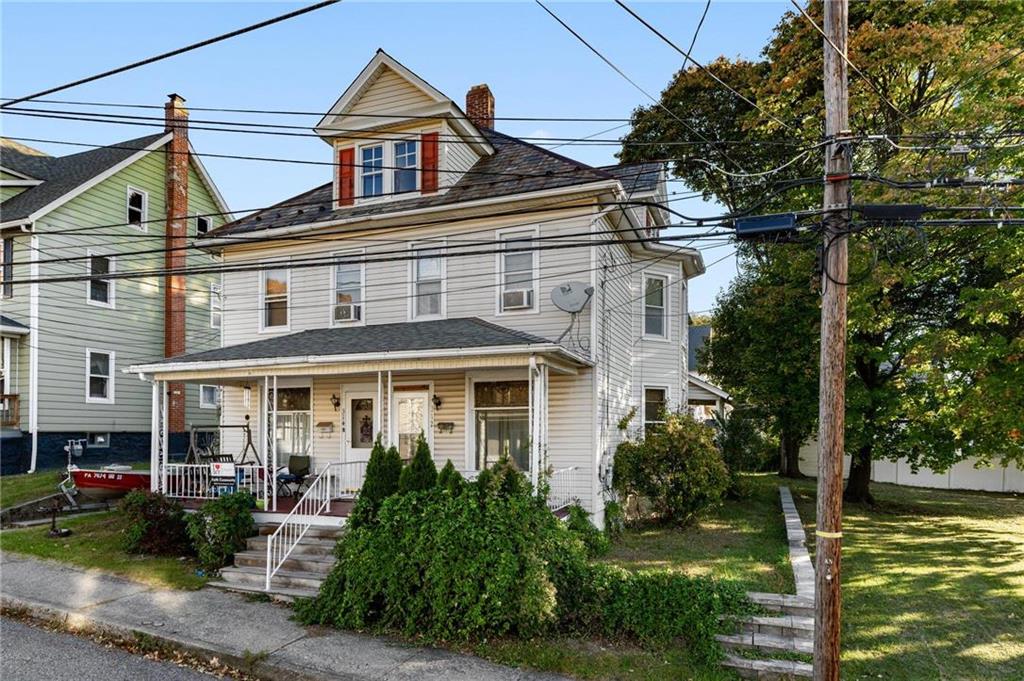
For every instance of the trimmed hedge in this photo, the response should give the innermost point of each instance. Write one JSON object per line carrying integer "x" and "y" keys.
{"x": 382, "y": 473}
{"x": 491, "y": 560}
{"x": 421, "y": 473}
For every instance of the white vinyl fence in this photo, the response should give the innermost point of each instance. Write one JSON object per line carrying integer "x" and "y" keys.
{"x": 961, "y": 476}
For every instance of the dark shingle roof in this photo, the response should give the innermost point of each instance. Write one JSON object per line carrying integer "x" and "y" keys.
{"x": 61, "y": 174}
{"x": 515, "y": 167}
{"x": 469, "y": 332}
{"x": 636, "y": 177}
{"x": 7, "y": 321}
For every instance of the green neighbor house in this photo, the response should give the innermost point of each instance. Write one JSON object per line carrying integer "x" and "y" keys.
{"x": 86, "y": 218}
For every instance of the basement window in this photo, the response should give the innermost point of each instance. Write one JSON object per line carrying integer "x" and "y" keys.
{"x": 97, "y": 440}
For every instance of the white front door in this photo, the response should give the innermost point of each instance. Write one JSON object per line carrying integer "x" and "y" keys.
{"x": 411, "y": 417}
{"x": 358, "y": 424}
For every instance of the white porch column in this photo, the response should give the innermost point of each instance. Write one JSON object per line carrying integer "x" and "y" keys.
{"x": 154, "y": 439}
{"x": 542, "y": 445}
{"x": 263, "y": 425}
{"x": 165, "y": 436}
{"x": 386, "y": 404}
{"x": 273, "y": 444}
{"x": 378, "y": 413}
{"x": 534, "y": 417}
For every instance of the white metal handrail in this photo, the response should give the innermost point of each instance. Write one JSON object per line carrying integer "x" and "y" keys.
{"x": 194, "y": 480}
{"x": 561, "y": 485}
{"x": 337, "y": 480}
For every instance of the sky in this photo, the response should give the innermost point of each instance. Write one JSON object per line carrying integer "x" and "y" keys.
{"x": 533, "y": 66}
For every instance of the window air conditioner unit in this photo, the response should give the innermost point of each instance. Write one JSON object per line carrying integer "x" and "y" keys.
{"x": 517, "y": 300}
{"x": 348, "y": 313}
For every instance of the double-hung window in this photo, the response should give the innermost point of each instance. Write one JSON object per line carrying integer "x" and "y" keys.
{"x": 101, "y": 290}
{"x": 502, "y": 423}
{"x": 275, "y": 298}
{"x": 655, "y": 292}
{"x": 99, "y": 380}
{"x": 216, "y": 305}
{"x": 428, "y": 281}
{"x": 348, "y": 289}
{"x": 138, "y": 206}
{"x": 372, "y": 170}
{"x": 7, "y": 268}
{"x": 405, "y": 166}
{"x": 655, "y": 404}
{"x": 518, "y": 265}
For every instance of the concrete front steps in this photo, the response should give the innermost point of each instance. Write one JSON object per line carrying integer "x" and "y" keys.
{"x": 767, "y": 636}
{"x": 301, "y": 574}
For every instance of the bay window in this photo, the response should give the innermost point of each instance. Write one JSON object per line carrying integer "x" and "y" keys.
{"x": 501, "y": 416}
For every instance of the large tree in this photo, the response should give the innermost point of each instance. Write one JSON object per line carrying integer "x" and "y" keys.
{"x": 935, "y": 322}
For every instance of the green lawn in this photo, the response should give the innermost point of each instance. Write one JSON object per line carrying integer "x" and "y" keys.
{"x": 95, "y": 543}
{"x": 16, "y": 489}
{"x": 933, "y": 584}
{"x": 743, "y": 540}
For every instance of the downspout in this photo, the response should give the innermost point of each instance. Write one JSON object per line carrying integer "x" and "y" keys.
{"x": 33, "y": 347}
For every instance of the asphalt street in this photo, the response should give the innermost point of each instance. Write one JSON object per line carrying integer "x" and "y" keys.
{"x": 31, "y": 654}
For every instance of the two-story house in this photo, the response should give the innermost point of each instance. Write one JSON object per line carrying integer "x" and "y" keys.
{"x": 70, "y": 325}
{"x": 422, "y": 289}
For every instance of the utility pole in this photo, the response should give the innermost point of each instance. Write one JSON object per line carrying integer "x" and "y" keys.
{"x": 832, "y": 399}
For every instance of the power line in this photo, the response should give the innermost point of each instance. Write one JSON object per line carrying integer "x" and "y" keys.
{"x": 610, "y": 63}
{"x": 696, "y": 63}
{"x": 700, "y": 24}
{"x": 174, "y": 53}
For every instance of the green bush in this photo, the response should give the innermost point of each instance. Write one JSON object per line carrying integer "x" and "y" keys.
{"x": 421, "y": 473}
{"x": 578, "y": 523}
{"x": 741, "y": 440}
{"x": 382, "y": 473}
{"x": 219, "y": 529}
{"x": 676, "y": 468}
{"x": 154, "y": 524}
{"x": 493, "y": 561}
{"x": 614, "y": 520}
{"x": 450, "y": 479}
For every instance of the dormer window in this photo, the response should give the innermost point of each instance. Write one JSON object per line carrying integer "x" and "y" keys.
{"x": 405, "y": 166}
{"x": 372, "y": 170}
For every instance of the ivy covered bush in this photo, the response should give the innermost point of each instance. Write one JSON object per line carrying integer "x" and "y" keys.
{"x": 596, "y": 542}
{"x": 470, "y": 561}
{"x": 154, "y": 524}
{"x": 219, "y": 529}
{"x": 676, "y": 468}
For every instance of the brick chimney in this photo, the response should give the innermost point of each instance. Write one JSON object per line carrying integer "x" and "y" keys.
{"x": 176, "y": 238}
{"x": 480, "y": 106}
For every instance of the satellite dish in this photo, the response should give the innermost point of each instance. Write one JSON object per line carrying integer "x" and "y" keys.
{"x": 572, "y": 297}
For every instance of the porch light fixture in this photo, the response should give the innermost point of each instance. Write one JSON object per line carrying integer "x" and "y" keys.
{"x": 437, "y": 401}
{"x": 336, "y": 402}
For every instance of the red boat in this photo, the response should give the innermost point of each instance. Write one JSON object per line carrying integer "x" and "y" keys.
{"x": 108, "y": 482}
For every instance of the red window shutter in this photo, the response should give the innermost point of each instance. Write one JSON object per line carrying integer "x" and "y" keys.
{"x": 346, "y": 176}
{"x": 428, "y": 143}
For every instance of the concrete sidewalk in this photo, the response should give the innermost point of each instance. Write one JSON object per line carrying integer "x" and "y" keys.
{"x": 214, "y": 623}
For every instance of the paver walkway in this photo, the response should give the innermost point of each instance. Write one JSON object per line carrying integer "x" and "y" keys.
{"x": 227, "y": 625}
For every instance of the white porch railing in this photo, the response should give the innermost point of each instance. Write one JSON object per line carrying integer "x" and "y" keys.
{"x": 561, "y": 485}
{"x": 194, "y": 481}
{"x": 337, "y": 480}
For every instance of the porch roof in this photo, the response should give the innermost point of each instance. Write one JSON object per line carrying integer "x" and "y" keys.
{"x": 469, "y": 336}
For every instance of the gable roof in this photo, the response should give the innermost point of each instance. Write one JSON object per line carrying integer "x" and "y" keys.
{"x": 22, "y": 160}
{"x": 63, "y": 175}
{"x": 636, "y": 178}
{"x": 516, "y": 167}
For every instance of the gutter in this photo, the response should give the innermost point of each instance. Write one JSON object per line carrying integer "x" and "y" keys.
{"x": 215, "y": 242}
{"x": 174, "y": 367}
{"x": 33, "y": 346}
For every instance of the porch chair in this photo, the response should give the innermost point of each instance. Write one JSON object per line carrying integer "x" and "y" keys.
{"x": 292, "y": 482}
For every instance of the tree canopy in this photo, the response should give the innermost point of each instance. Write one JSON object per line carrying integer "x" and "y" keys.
{"x": 936, "y": 327}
